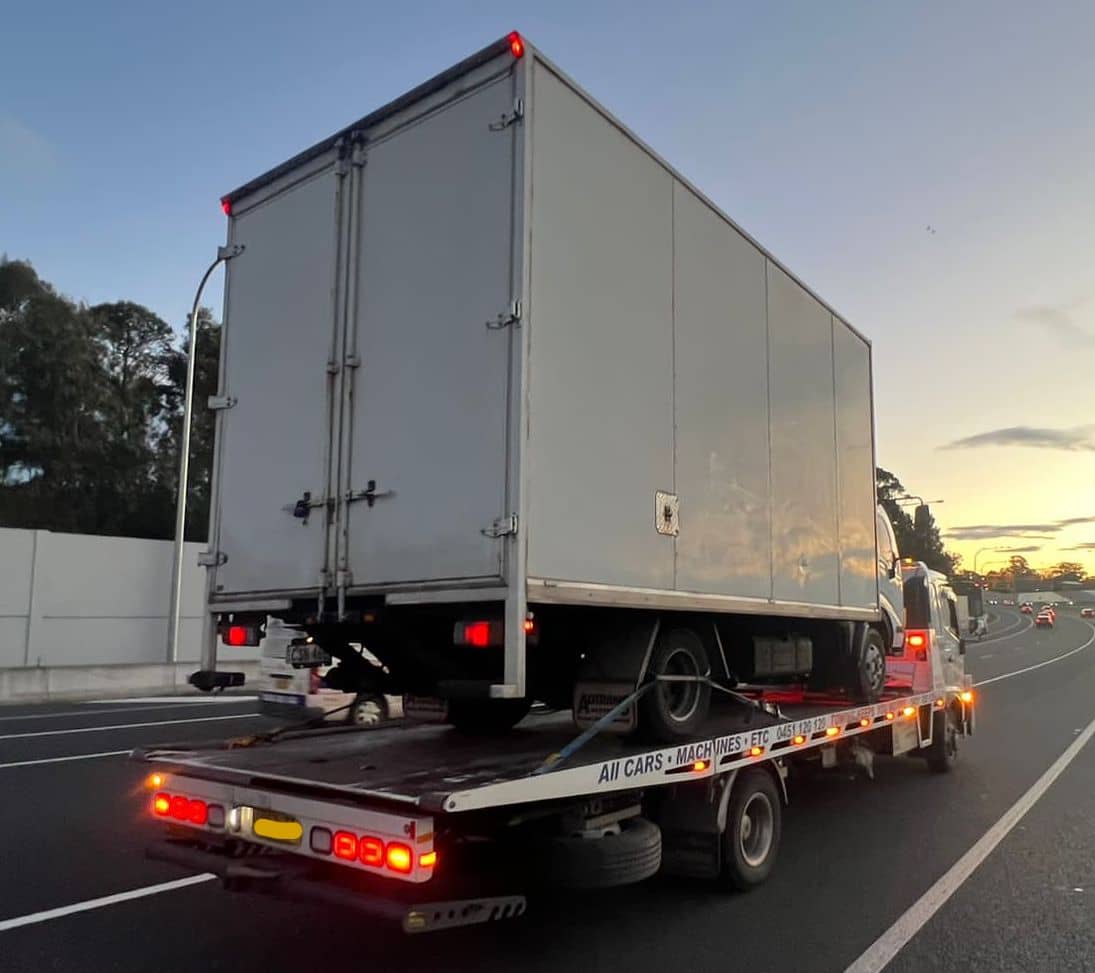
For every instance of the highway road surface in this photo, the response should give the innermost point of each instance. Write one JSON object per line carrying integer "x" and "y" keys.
{"x": 989, "y": 868}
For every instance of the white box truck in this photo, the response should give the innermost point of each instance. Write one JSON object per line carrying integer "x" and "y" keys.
{"x": 545, "y": 419}
{"x": 508, "y": 401}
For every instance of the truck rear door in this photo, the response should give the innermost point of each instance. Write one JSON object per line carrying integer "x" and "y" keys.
{"x": 426, "y": 445}
{"x": 273, "y": 439}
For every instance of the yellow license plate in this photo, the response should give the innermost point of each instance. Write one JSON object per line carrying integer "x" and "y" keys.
{"x": 278, "y": 829}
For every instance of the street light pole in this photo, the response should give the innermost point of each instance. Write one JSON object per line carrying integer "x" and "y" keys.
{"x": 224, "y": 254}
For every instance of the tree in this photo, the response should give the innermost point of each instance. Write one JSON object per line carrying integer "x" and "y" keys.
{"x": 52, "y": 427}
{"x": 918, "y": 536}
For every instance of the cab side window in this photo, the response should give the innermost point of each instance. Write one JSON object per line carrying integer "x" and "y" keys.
{"x": 952, "y": 616}
{"x": 886, "y": 552}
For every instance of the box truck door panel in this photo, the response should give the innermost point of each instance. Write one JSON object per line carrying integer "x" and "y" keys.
{"x": 804, "y": 504}
{"x": 855, "y": 468}
{"x": 721, "y": 393}
{"x": 274, "y": 438}
{"x": 429, "y": 406}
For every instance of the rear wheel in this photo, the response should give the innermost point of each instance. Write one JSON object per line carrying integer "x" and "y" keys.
{"x": 475, "y": 716}
{"x": 675, "y": 707}
{"x": 754, "y": 824}
{"x": 368, "y": 709}
{"x": 869, "y": 673}
{"x": 942, "y": 755}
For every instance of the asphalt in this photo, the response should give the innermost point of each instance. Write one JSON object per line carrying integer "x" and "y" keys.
{"x": 856, "y": 855}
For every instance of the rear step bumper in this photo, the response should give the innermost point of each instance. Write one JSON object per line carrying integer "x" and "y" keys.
{"x": 286, "y": 880}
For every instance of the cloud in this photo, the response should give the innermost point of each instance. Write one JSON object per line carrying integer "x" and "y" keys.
{"x": 1069, "y": 521}
{"x": 991, "y": 532}
{"x": 1019, "y": 550}
{"x": 25, "y": 155}
{"x": 1089, "y": 546}
{"x": 1058, "y": 319}
{"x": 1075, "y": 439}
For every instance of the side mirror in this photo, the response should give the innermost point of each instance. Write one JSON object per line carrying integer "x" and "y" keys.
{"x": 961, "y": 646}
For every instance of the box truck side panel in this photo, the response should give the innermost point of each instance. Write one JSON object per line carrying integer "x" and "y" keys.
{"x": 435, "y": 224}
{"x": 855, "y": 468}
{"x": 721, "y": 405}
{"x": 804, "y": 504}
{"x": 600, "y": 423}
{"x": 273, "y": 440}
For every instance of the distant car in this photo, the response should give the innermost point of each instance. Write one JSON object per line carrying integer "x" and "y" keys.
{"x": 1044, "y": 619}
{"x": 993, "y": 601}
{"x": 1027, "y": 609}
{"x": 1008, "y": 601}
{"x": 1087, "y": 612}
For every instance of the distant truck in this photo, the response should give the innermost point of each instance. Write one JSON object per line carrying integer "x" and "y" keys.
{"x": 509, "y": 401}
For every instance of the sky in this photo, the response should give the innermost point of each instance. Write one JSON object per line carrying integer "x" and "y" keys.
{"x": 928, "y": 168}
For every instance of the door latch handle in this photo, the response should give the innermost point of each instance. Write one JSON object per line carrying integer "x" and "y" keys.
{"x": 370, "y": 494}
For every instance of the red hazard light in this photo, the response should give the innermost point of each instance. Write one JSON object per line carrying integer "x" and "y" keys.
{"x": 477, "y": 634}
{"x": 236, "y": 635}
{"x": 226, "y": 205}
{"x": 516, "y": 45}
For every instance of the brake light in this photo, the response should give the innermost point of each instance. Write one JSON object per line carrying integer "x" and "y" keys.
{"x": 918, "y": 642}
{"x": 372, "y": 851}
{"x": 236, "y": 635}
{"x": 345, "y": 845}
{"x": 400, "y": 858}
{"x": 477, "y": 634}
{"x": 226, "y": 205}
{"x": 197, "y": 812}
{"x": 516, "y": 45}
{"x": 180, "y": 808}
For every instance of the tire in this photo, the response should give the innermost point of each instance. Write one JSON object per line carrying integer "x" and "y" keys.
{"x": 670, "y": 711}
{"x": 485, "y": 716}
{"x": 754, "y": 825}
{"x": 869, "y": 669}
{"x": 368, "y": 709}
{"x": 942, "y": 755}
{"x": 630, "y": 856}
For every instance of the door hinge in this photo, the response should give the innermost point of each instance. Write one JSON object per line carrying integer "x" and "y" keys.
{"x": 211, "y": 559}
{"x": 352, "y": 361}
{"x": 511, "y": 315}
{"x": 506, "y": 119}
{"x": 221, "y": 401}
{"x": 502, "y": 527}
{"x": 370, "y": 494}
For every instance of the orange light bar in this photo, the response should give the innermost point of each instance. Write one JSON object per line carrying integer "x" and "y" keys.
{"x": 909, "y": 711}
{"x": 798, "y": 739}
{"x": 940, "y": 703}
{"x": 701, "y": 765}
{"x": 155, "y": 781}
{"x": 864, "y": 722}
{"x": 966, "y": 697}
{"x": 890, "y": 716}
{"x": 755, "y": 751}
{"x": 832, "y": 731}
{"x": 400, "y": 858}
{"x": 428, "y": 860}
{"x": 516, "y": 44}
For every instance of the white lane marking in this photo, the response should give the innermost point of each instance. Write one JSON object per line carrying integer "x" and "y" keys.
{"x": 126, "y": 726}
{"x": 60, "y": 760}
{"x": 1025, "y": 626}
{"x": 890, "y": 943}
{"x": 97, "y": 712}
{"x": 187, "y": 700}
{"x": 89, "y": 904}
{"x": 1039, "y": 665}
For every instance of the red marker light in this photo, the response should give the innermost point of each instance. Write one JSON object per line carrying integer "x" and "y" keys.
{"x": 236, "y": 635}
{"x": 345, "y": 845}
{"x": 516, "y": 45}
{"x": 477, "y": 634}
{"x": 226, "y": 205}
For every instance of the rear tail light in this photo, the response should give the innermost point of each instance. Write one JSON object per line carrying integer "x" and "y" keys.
{"x": 478, "y": 634}
{"x": 237, "y": 635}
{"x": 428, "y": 860}
{"x": 345, "y": 845}
{"x": 400, "y": 858}
{"x": 372, "y": 851}
{"x": 226, "y": 205}
{"x": 161, "y": 805}
{"x": 917, "y": 642}
{"x": 188, "y": 810}
{"x": 516, "y": 45}
{"x": 197, "y": 812}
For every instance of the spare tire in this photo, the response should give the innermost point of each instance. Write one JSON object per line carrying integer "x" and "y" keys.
{"x": 574, "y": 862}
